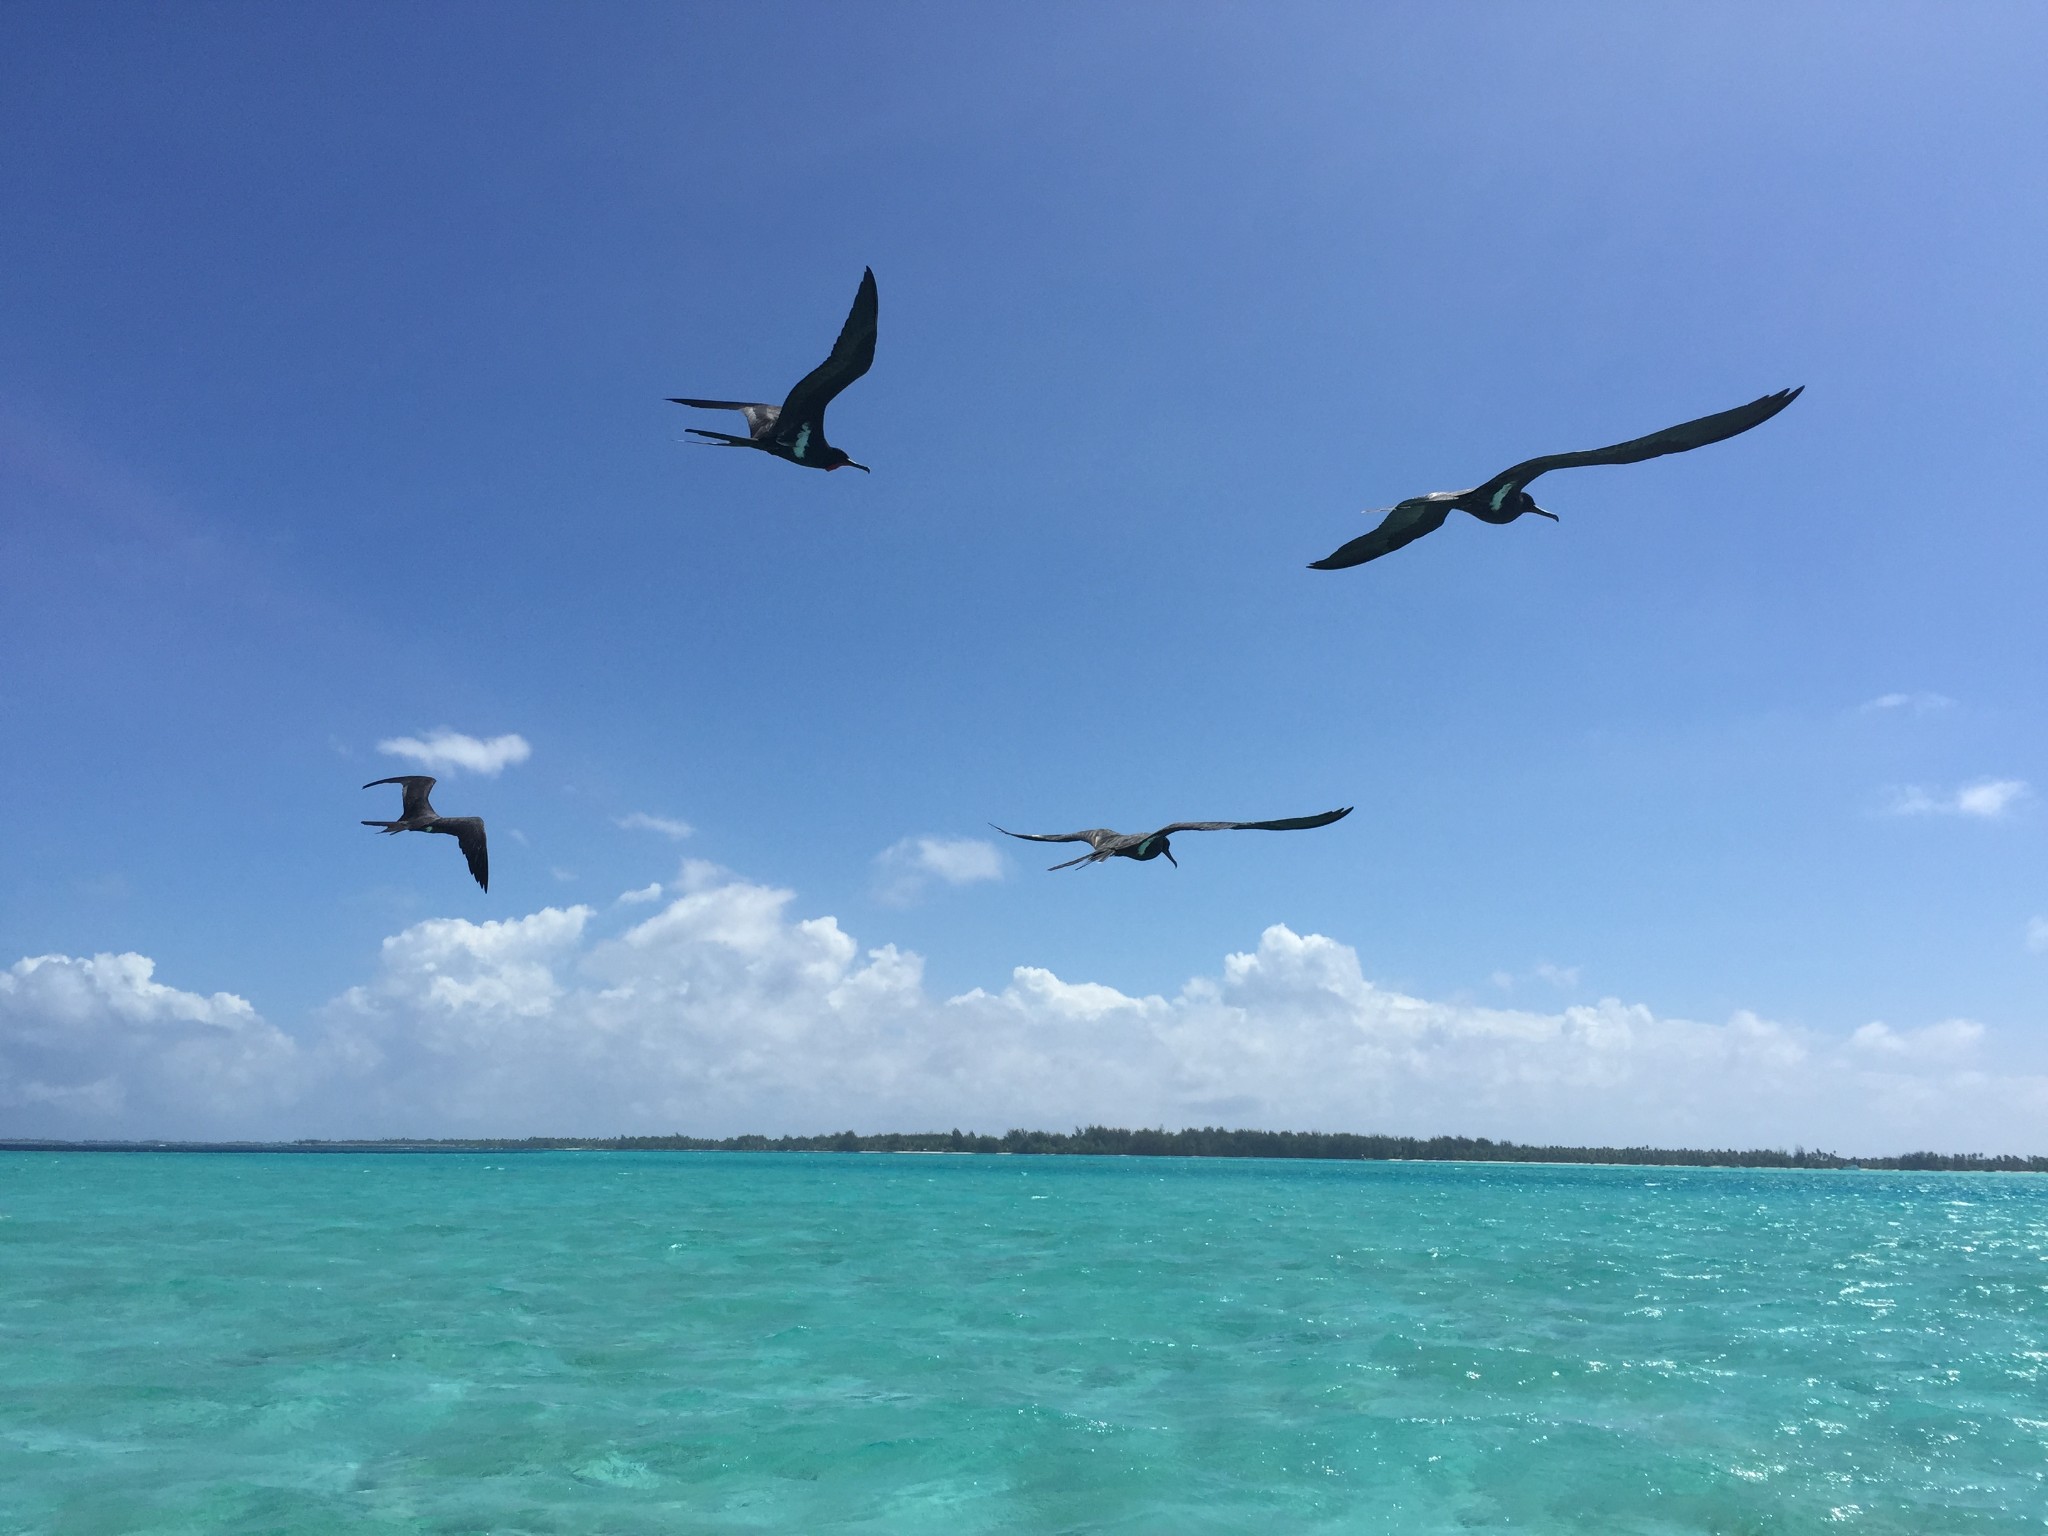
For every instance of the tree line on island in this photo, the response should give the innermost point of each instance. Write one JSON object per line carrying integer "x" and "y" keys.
{"x": 1332, "y": 1146}
{"x": 1114, "y": 1141}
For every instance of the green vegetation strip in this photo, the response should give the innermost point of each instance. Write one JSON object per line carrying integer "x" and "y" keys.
{"x": 1111, "y": 1141}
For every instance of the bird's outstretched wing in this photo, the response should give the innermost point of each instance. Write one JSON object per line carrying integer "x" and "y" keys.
{"x": 1095, "y": 837}
{"x": 852, "y": 355}
{"x": 1686, "y": 435}
{"x": 469, "y": 832}
{"x": 760, "y": 418}
{"x": 416, "y": 785}
{"x": 1402, "y": 525}
{"x": 1289, "y": 824}
{"x": 1087, "y": 836}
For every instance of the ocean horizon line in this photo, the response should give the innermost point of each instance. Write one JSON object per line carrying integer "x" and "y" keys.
{"x": 1212, "y": 1142}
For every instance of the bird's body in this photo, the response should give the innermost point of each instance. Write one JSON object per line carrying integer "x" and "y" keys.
{"x": 1505, "y": 497}
{"x": 1106, "y": 844}
{"x": 795, "y": 429}
{"x": 415, "y": 814}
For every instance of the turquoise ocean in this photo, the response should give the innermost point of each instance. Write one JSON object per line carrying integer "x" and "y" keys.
{"x": 698, "y": 1342}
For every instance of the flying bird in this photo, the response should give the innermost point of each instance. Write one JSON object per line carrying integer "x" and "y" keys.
{"x": 416, "y": 815}
{"x": 1504, "y": 498}
{"x": 795, "y": 430}
{"x": 1150, "y": 845}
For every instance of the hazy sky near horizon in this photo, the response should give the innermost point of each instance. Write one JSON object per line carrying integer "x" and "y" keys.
{"x": 333, "y": 353}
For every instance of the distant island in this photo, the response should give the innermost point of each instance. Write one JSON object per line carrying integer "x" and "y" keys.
{"x": 1111, "y": 1141}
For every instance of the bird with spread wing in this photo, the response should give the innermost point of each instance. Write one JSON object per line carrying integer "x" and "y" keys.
{"x": 795, "y": 429}
{"x": 416, "y": 815}
{"x": 1141, "y": 846}
{"x": 1505, "y": 497}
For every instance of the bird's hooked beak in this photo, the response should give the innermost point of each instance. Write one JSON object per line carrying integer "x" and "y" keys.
{"x": 849, "y": 464}
{"x": 1170, "y": 858}
{"x": 1532, "y": 507}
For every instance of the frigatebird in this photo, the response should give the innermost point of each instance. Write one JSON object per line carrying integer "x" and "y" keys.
{"x": 1504, "y": 498}
{"x": 1150, "y": 845}
{"x": 416, "y": 815}
{"x": 795, "y": 429}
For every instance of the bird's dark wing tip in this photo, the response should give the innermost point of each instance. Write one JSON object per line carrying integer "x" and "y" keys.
{"x": 1345, "y": 557}
{"x": 469, "y": 834}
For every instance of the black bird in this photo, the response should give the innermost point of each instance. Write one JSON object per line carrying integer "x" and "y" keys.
{"x": 795, "y": 430}
{"x": 1503, "y": 498}
{"x": 416, "y": 815}
{"x": 1150, "y": 845}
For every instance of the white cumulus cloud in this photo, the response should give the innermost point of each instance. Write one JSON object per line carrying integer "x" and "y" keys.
{"x": 726, "y": 1011}
{"x": 1987, "y": 799}
{"x": 442, "y": 750}
{"x": 667, "y": 826}
{"x": 95, "y": 1047}
{"x": 906, "y": 868}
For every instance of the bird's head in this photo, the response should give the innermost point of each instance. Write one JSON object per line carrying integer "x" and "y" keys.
{"x": 1153, "y": 847}
{"x": 1525, "y": 503}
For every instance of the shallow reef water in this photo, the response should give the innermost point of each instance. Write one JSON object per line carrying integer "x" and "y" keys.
{"x": 720, "y": 1342}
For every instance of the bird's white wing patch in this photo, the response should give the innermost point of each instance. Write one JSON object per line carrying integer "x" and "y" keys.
{"x": 1499, "y": 496}
{"x": 803, "y": 440}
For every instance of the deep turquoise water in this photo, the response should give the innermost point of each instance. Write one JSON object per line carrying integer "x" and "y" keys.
{"x": 592, "y": 1342}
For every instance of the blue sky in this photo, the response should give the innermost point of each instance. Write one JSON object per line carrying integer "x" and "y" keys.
{"x": 333, "y": 348}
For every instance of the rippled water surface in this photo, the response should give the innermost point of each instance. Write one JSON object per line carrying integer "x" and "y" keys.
{"x": 602, "y": 1342}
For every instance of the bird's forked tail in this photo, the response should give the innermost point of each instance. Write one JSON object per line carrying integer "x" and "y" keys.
{"x": 388, "y": 826}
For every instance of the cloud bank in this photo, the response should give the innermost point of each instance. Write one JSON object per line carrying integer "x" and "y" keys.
{"x": 443, "y": 750}
{"x": 725, "y": 1012}
{"x": 98, "y": 1047}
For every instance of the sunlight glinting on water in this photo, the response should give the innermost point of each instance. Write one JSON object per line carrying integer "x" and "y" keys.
{"x": 713, "y": 1342}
